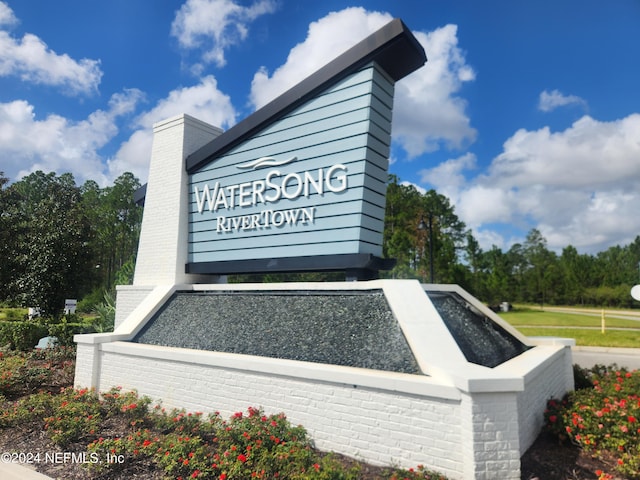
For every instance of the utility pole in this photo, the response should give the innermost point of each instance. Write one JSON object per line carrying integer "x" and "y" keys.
{"x": 423, "y": 226}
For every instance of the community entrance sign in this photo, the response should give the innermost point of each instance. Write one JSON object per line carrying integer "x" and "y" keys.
{"x": 300, "y": 186}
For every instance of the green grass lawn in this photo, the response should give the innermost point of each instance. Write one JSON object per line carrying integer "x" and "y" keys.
{"x": 12, "y": 313}
{"x": 558, "y": 319}
{"x": 556, "y": 324}
{"x": 588, "y": 338}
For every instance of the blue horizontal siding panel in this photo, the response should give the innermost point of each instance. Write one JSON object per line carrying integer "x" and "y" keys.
{"x": 355, "y": 211}
{"x": 347, "y": 126}
{"x": 257, "y": 229}
{"x": 326, "y": 238}
{"x": 268, "y": 251}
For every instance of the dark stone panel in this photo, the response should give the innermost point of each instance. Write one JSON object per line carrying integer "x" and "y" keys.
{"x": 481, "y": 340}
{"x": 355, "y": 329}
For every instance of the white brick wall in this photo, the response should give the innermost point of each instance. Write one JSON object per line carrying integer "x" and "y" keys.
{"x": 384, "y": 418}
{"x": 492, "y": 443}
{"x": 128, "y": 297}
{"x": 541, "y": 385}
{"x": 86, "y": 355}
{"x": 375, "y": 424}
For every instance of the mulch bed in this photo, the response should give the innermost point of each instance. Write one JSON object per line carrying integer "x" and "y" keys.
{"x": 548, "y": 459}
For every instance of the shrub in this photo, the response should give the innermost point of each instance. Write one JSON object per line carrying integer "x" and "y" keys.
{"x": 24, "y": 372}
{"x": 13, "y": 314}
{"x": 87, "y": 303}
{"x": 105, "y": 314}
{"x": 128, "y": 404}
{"x": 604, "y": 418}
{"x": 64, "y": 332}
{"x": 28, "y": 409}
{"x": 77, "y": 414}
{"x": 21, "y": 335}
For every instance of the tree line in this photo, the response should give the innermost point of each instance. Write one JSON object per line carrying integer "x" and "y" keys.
{"x": 526, "y": 273}
{"x": 60, "y": 240}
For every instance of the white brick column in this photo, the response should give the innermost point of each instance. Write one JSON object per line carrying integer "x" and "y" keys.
{"x": 162, "y": 250}
{"x": 490, "y": 436}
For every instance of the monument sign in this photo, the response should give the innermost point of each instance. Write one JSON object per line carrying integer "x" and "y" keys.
{"x": 300, "y": 186}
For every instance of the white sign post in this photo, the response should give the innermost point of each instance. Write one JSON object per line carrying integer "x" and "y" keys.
{"x": 70, "y": 305}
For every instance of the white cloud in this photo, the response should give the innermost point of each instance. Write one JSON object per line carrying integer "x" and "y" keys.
{"x": 61, "y": 145}
{"x": 32, "y": 61}
{"x": 449, "y": 173}
{"x": 6, "y": 15}
{"x": 549, "y": 101}
{"x": 215, "y": 25}
{"x": 203, "y": 101}
{"x": 427, "y": 113}
{"x": 479, "y": 204}
{"x": 488, "y": 238}
{"x": 590, "y": 154}
{"x": 56, "y": 143}
{"x": 326, "y": 39}
{"x": 580, "y": 186}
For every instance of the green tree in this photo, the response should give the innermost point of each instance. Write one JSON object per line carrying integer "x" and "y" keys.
{"x": 497, "y": 283}
{"x": 618, "y": 265}
{"x": 400, "y": 238}
{"x": 422, "y": 232}
{"x": 115, "y": 227}
{"x": 577, "y": 275}
{"x": 542, "y": 270}
{"x": 518, "y": 267}
{"x": 119, "y": 226}
{"x": 7, "y": 260}
{"x": 52, "y": 238}
{"x": 475, "y": 259}
{"x": 449, "y": 238}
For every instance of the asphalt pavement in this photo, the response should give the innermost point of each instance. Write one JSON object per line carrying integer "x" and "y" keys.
{"x": 587, "y": 357}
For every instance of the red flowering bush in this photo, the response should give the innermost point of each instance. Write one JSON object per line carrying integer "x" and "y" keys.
{"x": 76, "y": 413}
{"x": 133, "y": 407}
{"x": 247, "y": 446}
{"x": 603, "y": 419}
{"x": 42, "y": 369}
{"x": 179, "y": 444}
{"x": 251, "y": 445}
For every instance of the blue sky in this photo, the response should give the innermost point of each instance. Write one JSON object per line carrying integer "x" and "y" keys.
{"x": 527, "y": 114}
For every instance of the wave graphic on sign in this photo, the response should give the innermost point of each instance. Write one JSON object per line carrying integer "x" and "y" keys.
{"x": 267, "y": 162}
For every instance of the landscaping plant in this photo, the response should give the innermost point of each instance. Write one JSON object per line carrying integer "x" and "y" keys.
{"x": 603, "y": 418}
{"x": 181, "y": 445}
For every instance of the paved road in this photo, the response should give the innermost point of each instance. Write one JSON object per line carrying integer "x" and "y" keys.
{"x": 587, "y": 357}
